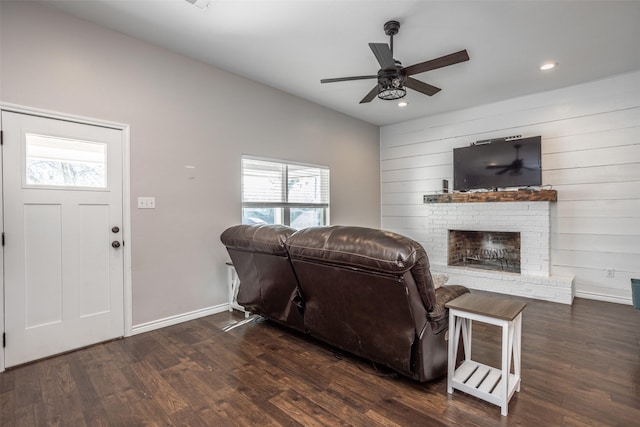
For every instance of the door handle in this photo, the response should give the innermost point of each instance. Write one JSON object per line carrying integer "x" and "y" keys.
{"x": 115, "y": 244}
{"x": 115, "y": 229}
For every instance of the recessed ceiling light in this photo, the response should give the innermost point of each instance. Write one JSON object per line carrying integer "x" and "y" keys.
{"x": 403, "y": 103}
{"x": 548, "y": 65}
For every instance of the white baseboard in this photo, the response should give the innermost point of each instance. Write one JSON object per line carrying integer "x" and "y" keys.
{"x": 603, "y": 297}
{"x": 178, "y": 318}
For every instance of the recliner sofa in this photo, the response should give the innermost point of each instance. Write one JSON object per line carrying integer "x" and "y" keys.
{"x": 365, "y": 291}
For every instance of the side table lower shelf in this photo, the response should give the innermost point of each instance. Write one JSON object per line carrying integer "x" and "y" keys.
{"x": 483, "y": 382}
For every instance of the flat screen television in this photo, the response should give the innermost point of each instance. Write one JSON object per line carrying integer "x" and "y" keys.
{"x": 500, "y": 164}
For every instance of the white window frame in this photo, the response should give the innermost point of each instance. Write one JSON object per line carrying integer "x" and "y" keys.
{"x": 283, "y": 208}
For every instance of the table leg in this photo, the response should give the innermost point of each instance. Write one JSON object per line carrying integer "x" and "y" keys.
{"x": 453, "y": 350}
{"x": 506, "y": 362}
{"x": 517, "y": 349}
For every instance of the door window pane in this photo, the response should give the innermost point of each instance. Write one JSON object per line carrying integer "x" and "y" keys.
{"x": 60, "y": 162}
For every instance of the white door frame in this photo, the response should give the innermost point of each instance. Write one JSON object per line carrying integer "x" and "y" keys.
{"x": 126, "y": 205}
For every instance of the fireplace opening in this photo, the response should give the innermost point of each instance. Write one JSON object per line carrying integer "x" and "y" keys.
{"x": 487, "y": 250}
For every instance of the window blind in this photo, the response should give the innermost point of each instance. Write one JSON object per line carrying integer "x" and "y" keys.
{"x": 273, "y": 184}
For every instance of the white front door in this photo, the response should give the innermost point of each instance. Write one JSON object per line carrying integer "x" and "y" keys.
{"x": 63, "y": 256}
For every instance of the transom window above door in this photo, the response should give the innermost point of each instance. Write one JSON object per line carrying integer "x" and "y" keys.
{"x": 61, "y": 162}
{"x": 276, "y": 192}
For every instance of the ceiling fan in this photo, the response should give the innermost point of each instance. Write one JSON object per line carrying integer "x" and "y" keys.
{"x": 392, "y": 77}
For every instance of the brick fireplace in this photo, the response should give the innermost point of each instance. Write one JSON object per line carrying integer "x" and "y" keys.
{"x": 467, "y": 236}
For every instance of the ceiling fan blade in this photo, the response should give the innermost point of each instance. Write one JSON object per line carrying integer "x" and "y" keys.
{"x": 432, "y": 64}
{"x": 370, "y": 95}
{"x": 421, "y": 87}
{"x": 346, "y": 79}
{"x": 383, "y": 55}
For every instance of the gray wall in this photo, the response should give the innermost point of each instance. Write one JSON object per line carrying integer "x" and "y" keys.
{"x": 590, "y": 155}
{"x": 181, "y": 112}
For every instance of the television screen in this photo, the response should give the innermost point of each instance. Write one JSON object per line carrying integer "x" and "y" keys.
{"x": 501, "y": 164}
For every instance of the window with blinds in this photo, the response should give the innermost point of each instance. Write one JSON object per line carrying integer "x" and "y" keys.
{"x": 292, "y": 194}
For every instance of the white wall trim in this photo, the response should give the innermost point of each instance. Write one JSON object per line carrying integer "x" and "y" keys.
{"x": 603, "y": 297}
{"x": 126, "y": 232}
{"x": 1, "y": 250}
{"x": 126, "y": 202}
{"x": 5, "y": 106}
{"x": 178, "y": 318}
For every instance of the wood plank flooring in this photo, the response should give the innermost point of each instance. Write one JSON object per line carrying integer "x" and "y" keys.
{"x": 580, "y": 367}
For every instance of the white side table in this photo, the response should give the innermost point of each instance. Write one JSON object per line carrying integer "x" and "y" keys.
{"x": 496, "y": 386}
{"x": 234, "y": 285}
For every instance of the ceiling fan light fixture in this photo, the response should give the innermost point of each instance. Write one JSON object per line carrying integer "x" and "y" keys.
{"x": 391, "y": 88}
{"x": 391, "y": 93}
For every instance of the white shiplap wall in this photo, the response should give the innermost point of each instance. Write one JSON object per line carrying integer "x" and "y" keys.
{"x": 590, "y": 155}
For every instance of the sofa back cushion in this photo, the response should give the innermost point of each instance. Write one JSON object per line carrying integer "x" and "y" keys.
{"x": 266, "y": 239}
{"x": 366, "y": 249}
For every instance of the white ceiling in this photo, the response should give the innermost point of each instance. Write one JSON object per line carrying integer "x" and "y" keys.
{"x": 291, "y": 45}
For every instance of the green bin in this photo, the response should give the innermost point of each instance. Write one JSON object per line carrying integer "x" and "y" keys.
{"x": 635, "y": 293}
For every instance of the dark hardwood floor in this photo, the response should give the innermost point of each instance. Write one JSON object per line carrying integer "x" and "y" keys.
{"x": 580, "y": 366}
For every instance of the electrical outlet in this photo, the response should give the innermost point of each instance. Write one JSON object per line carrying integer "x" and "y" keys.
{"x": 146, "y": 202}
{"x": 611, "y": 273}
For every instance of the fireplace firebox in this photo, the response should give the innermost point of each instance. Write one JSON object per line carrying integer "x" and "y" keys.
{"x": 487, "y": 250}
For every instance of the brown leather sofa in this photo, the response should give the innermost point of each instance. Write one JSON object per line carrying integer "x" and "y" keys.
{"x": 366, "y": 291}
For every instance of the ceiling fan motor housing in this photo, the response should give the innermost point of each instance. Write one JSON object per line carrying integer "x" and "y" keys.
{"x": 394, "y": 78}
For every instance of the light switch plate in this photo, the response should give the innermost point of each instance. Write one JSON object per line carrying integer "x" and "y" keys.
{"x": 146, "y": 202}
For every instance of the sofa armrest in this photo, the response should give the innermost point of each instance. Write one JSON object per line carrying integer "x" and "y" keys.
{"x": 439, "y": 316}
